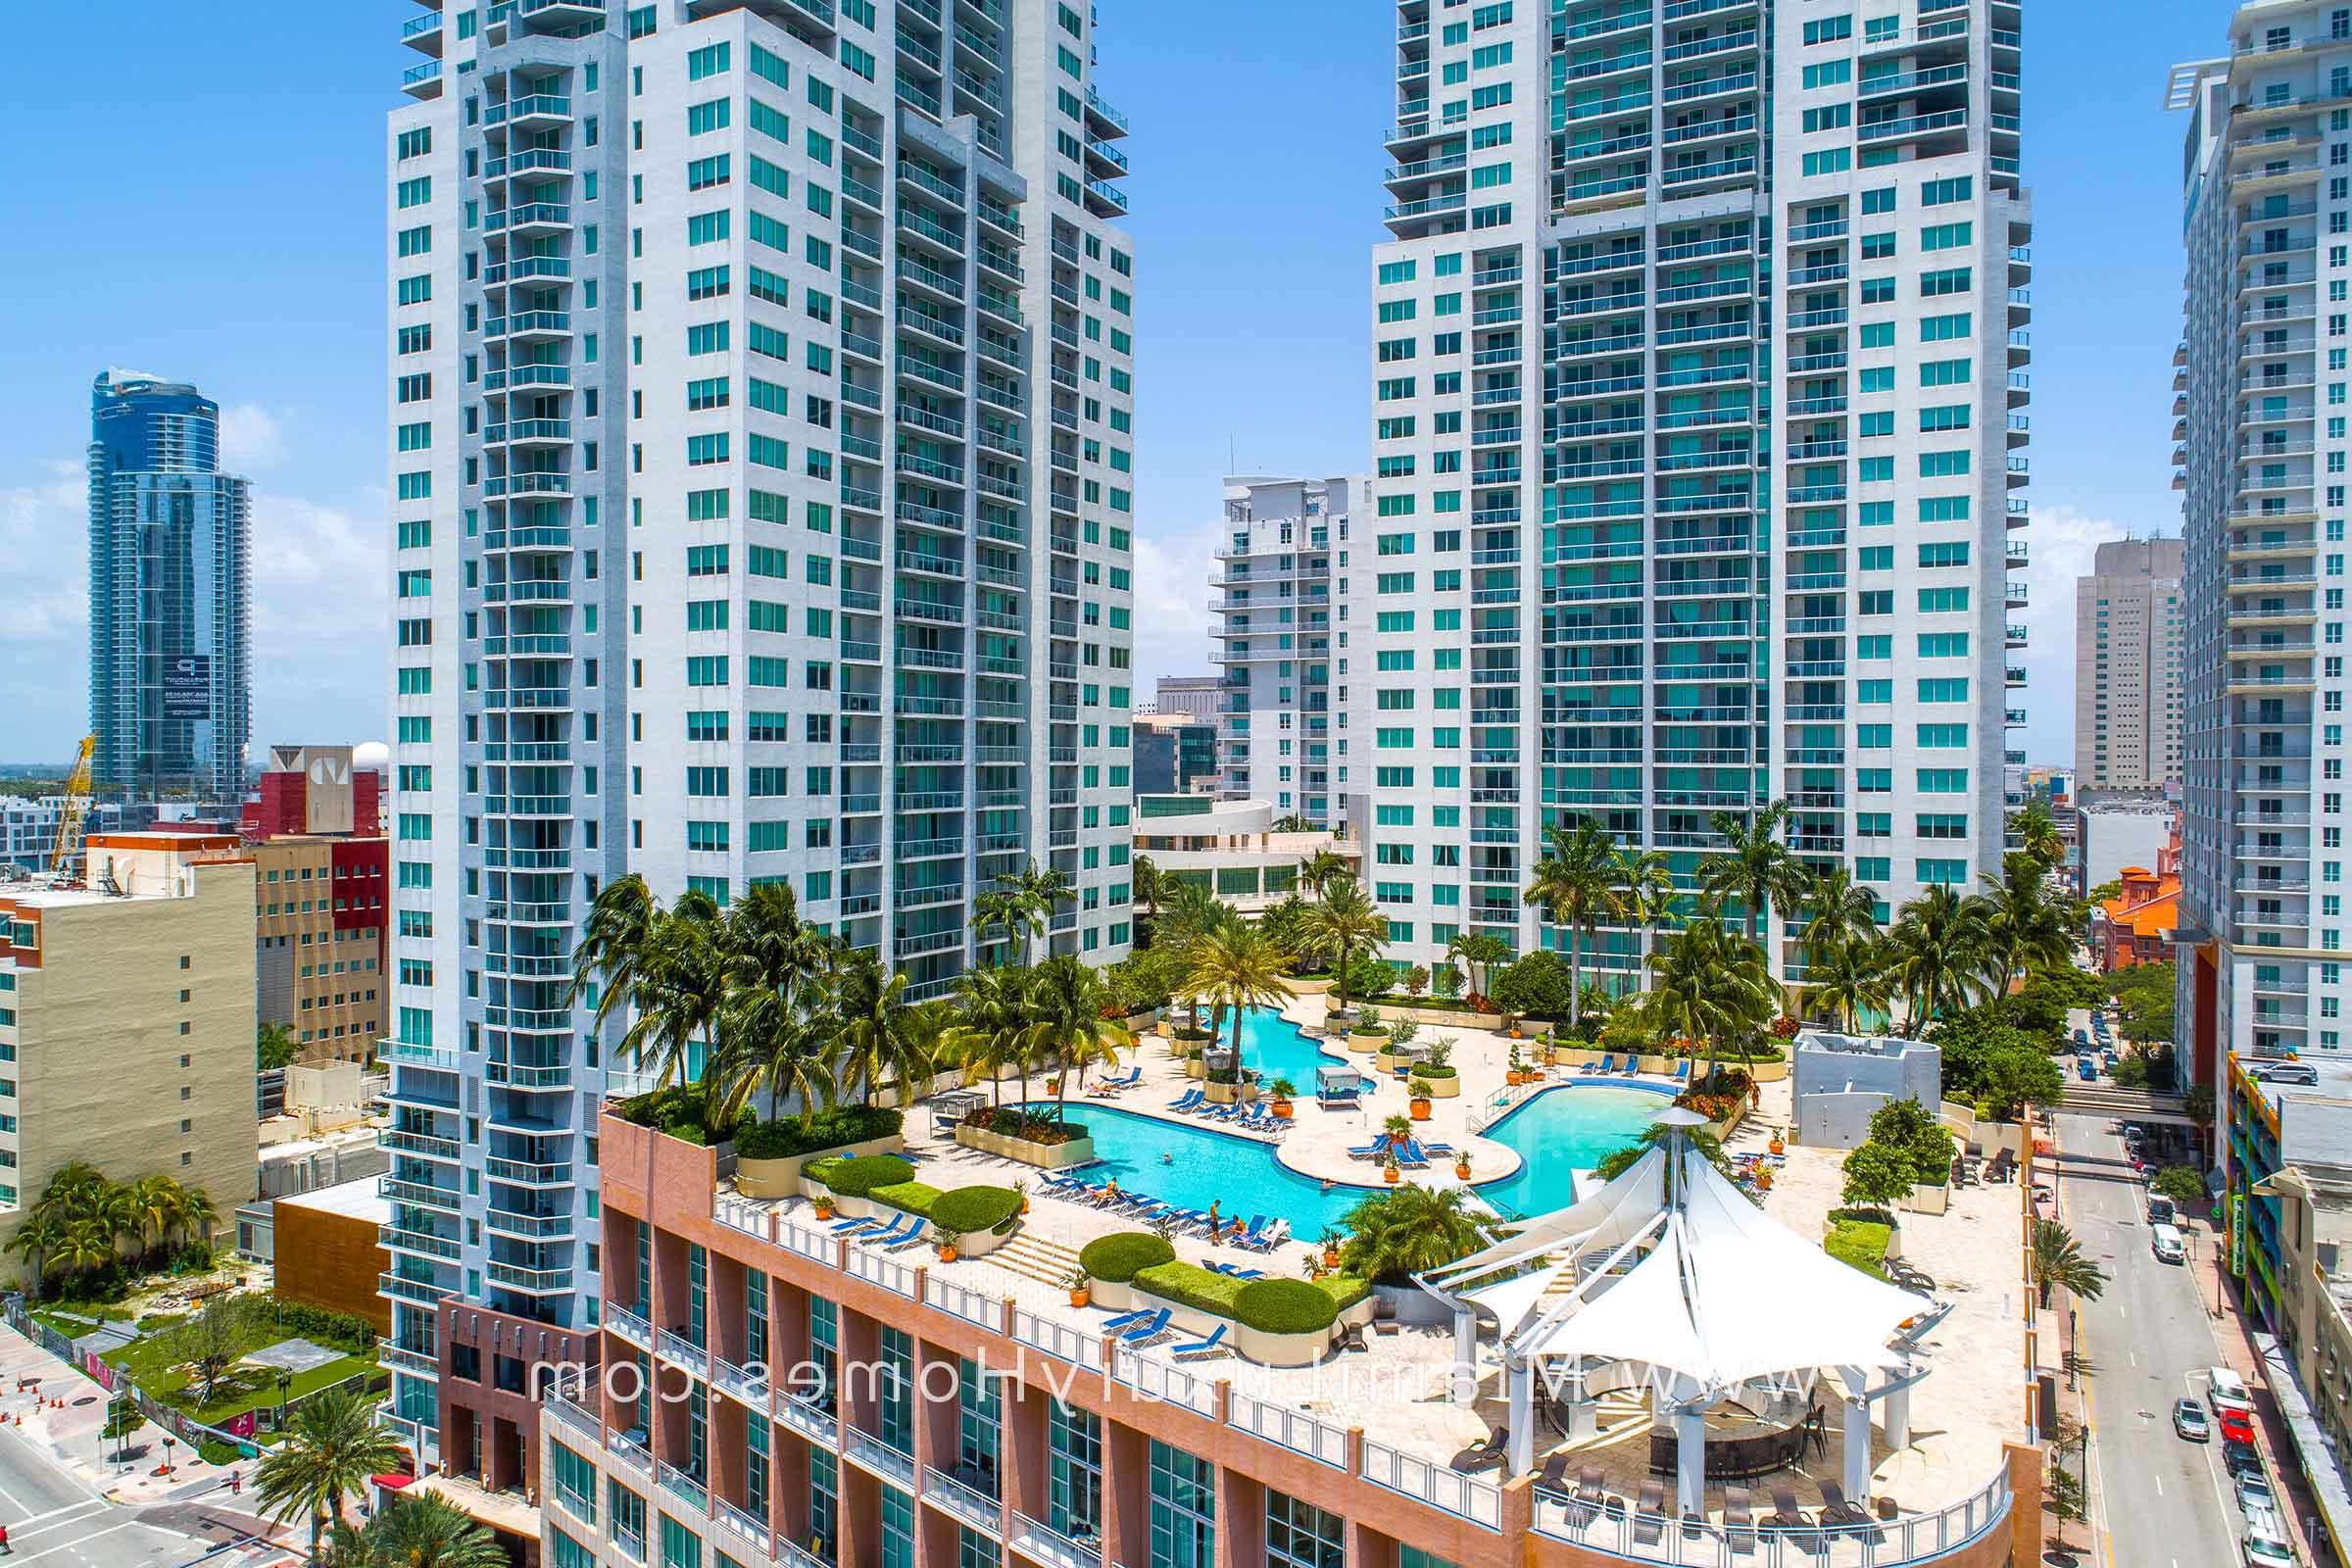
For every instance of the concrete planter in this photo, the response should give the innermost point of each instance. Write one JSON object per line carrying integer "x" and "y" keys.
{"x": 1253, "y": 1344}
{"x": 1140, "y": 1022}
{"x": 1119, "y": 1295}
{"x": 979, "y": 1244}
{"x": 1195, "y": 1068}
{"x": 1928, "y": 1200}
{"x": 1230, "y": 1094}
{"x": 1444, "y": 1087}
{"x": 781, "y": 1178}
{"x": 1367, "y": 1044}
{"x": 1044, "y": 1157}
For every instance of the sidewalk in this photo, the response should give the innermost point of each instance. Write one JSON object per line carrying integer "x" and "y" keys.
{"x": 70, "y": 1433}
{"x": 2233, "y": 1337}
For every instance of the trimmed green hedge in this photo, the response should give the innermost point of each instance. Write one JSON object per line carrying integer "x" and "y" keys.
{"x": 1120, "y": 1257}
{"x": 857, "y": 1177}
{"x": 1271, "y": 1306}
{"x": 969, "y": 1210}
{"x": 1859, "y": 1244}
{"x": 831, "y": 1129}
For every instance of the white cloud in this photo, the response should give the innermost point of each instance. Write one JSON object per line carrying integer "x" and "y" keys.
{"x": 249, "y": 439}
{"x": 45, "y": 535}
{"x": 1173, "y": 628}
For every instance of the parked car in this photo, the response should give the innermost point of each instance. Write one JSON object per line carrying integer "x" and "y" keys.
{"x": 2161, "y": 1211}
{"x": 2165, "y": 1242}
{"x": 2238, "y": 1455}
{"x": 2264, "y": 1546}
{"x": 2236, "y": 1428}
{"x": 2254, "y": 1495}
{"x": 2228, "y": 1389}
{"x": 2189, "y": 1420}
{"x": 2085, "y": 1070}
{"x": 2081, "y": 1037}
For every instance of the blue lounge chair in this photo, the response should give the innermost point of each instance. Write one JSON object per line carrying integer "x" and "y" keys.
{"x": 1371, "y": 1151}
{"x": 1150, "y": 1329}
{"x": 1633, "y": 1066}
{"x": 848, "y": 1227}
{"x": 1259, "y": 1236}
{"x": 894, "y": 1231}
{"x": 1682, "y": 1071}
{"x": 1249, "y": 1273}
{"x": 1120, "y": 1320}
{"x": 915, "y": 1233}
{"x": 1126, "y": 1080}
{"x": 1186, "y": 1101}
{"x": 1208, "y": 1346}
{"x": 1595, "y": 1069}
{"x": 1438, "y": 1151}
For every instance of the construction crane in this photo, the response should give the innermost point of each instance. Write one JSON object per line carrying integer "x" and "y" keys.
{"x": 73, "y": 812}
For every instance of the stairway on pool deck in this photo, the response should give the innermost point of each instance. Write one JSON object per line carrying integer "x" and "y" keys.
{"x": 1034, "y": 1257}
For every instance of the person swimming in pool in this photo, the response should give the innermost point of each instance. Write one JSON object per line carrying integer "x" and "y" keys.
{"x": 1329, "y": 1184}
{"x": 1167, "y": 1157}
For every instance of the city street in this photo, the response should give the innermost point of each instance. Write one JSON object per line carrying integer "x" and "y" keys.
{"x": 51, "y": 1514}
{"x": 2144, "y": 1345}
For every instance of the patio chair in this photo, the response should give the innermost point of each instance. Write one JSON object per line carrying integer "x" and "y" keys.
{"x": 1738, "y": 1519}
{"x": 1438, "y": 1151}
{"x": 1186, "y": 1101}
{"x": 1197, "y": 1348}
{"x": 896, "y": 1231}
{"x": 1836, "y": 1509}
{"x": 850, "y": 1227}
{"x": 1632, "y": 1067}
{"x": 1383, "y": 1316}
{"x": 1682, "y": 1071}
{"x": 1371, "y": 1151}
{"x": 915, "y": 1233}
{"x": 1595, "y": 1069}
{"x": 1649, "y": 1511}
{"x": 1486, "y": 1454}
{"x": 1121, "y": 1320}
{"x": 1155, "y": 1327}
{"x": 1554, "y": 1475}
{"x": 1591, "y": 1490}
{"x": 1254, "y": 1236}
{"x": 1277, "y": 1233}
{"x": 1786, "y": 1514}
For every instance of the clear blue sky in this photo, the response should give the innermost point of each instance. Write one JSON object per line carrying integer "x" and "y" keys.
{"x": 197, "y": 190}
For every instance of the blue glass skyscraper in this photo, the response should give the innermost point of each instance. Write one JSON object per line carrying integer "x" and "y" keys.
{"x": 170, "y": 593}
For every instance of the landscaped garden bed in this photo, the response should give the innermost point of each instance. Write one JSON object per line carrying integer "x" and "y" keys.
{"x": 770, "y": 1155}
{"x": 980, "y": 1218}
{"x": 1041, "y": 1141}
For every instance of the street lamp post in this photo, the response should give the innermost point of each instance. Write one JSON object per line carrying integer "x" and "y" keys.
{"x": 285, "y": 1380}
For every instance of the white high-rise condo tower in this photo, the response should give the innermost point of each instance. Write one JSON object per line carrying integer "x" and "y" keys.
{"x": 1697, "y": 417}
{"x": 2259, "y": 418}
{"x": 762, "y": 454}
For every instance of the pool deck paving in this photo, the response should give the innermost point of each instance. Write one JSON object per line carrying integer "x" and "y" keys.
{"x": 1396, "y": 1386}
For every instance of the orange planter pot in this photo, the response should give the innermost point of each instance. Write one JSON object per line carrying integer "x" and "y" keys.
{"x": 1080, "y": 1298}
{"x": 1419, "y": 1109}
{"x": 1282, "y": 1110}
{"x": 1393, "y": 1175}
{"x": 1461, "y": 1172}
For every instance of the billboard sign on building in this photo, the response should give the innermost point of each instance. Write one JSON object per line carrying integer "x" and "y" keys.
{"x": 188, "y": 686}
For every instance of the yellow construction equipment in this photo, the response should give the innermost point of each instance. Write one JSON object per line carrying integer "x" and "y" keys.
{"x": 73, "y": 812}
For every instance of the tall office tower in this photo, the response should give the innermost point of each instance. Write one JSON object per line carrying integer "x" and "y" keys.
{"x": 170, "y": 593}
{"x": 1274, "y": 717}
{"x": 1695, "y": 422}
{"x": 764, "y": 404}
{"x": 2128, "y": 666}
{"x": 2266, "y": 203}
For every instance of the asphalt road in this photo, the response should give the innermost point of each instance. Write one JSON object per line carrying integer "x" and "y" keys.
{"x": 52, "y": 1517}
{"x": 2144, "y": 1343}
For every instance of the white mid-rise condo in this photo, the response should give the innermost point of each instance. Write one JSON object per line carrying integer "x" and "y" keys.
{"x": 762, "y": 452}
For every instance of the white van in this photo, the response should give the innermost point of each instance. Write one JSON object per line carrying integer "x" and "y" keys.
{"x": 2229, "y": 1389}
{"x": 2262, "y": 1546}
{"x": 2165, "y": 1242}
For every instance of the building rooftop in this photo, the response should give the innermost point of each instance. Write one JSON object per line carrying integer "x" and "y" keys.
{"x": 358, "y": 1200}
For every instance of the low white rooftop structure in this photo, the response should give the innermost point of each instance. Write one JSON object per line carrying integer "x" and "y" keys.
{"x": 1840, "y": 1080}
{"x": 1229, "y": 847}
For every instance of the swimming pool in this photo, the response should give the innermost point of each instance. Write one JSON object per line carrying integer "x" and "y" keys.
{"x": 1560, "y": 1130}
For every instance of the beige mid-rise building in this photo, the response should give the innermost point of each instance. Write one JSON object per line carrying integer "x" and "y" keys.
{"x": 2128, "y": 666}
{"x": 127, "y": 1021}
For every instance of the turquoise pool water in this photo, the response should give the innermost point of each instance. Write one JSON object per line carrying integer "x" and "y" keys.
{"x": 1559, "y": 1131}
{"x": 1279, "y": 1049}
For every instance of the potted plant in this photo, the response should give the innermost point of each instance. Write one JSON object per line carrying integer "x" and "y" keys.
{"x": 947, "y": 1244}
{"x": 1331, "y": 1247}
{"x": 1367, "y": 1034}
{"x": 1515, "y": 1073}
{"x": 1283, "y": 1090}
{"x": 1510, "y": 1022}
{"x": 1461, "y": 1167}
{"x": 1391, "y": 1172}
{"x": 1418, "y": 1102}
{"x": 1079, "y": 1284}
{"x": 824, "y": 1206}
{"x": 1777, "y": 1145}
{"x": 1022, "y": 1188}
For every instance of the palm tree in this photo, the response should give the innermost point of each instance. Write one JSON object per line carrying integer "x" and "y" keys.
{"x": 1240, "y": 969}
{"x": 1319, "y": 869}
{"x": 1708, "y": 983}
{"x": 1479, "y": 951}
{"x": 1066, "y": 1003}
{"x": 155, "y": 1204}
{"x": 612, "y": 946}
{"x": 2038, "y": 834}
{"x": 2059, "y": 1261}
{"x": 1571, "y": 883}
{"x": 2025, "y": 927}
{"x": 196, "y": 1215}
{"x": 678, "y": 989}
{"x": 1410, "y": 1230}
{"x": 1939, "y": 945}
{"x": 37, "y": 1241}
{"x": 992, "y": 1034}
{"x": 86, "y": 1244}
{"x": 332, "y": 1445}
{"x": 1850, "y": 980}
{"x": 766, "y": 1039}
{"x": 1341, "y": 922}
{"x": 1839, "y": 914}
{"x": 418, "y": 1532}
{"x": 275, "y": 1046}
{"x": 1034, "y": 893}
{"x": 1144, "y": 887}
{"x": 1756, "y": 868}
{"x": 880, "y": 1039}
{"x": 1000, "y": 910}
{"x": 1641, "y": 893}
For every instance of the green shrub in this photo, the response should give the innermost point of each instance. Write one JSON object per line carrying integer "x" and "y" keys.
{"x": 913, "y": 1198}
{"x": 831, "y": 1129}
{"x": 1860, "y": 1244}
{"x": 677, "y": 1111}
{"x": 1282, "y": 1311}
{"x": 856, "y": 1177}
{"x": 1118, "y": 1257}
{"x": 342, "y": 1330}
{"x": 968, "y": 1209}
{"x": 212, "y": 1450}
{"x": 1537, "y": 986}
{"x": 1284, "y": 1306}
{"x": 820, "y": 1171}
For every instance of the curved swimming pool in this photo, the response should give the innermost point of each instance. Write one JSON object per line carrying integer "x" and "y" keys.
{"x": 1560, "y": 1130}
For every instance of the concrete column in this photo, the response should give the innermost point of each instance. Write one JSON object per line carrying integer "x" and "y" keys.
{"x": 1465, "y": 1389}
{"x": 1690, "y": 1460}
{"x": 1895, "y": 1416}
{"x": 1855, "y": 1472}
{"x": 1522, "y": 1374}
